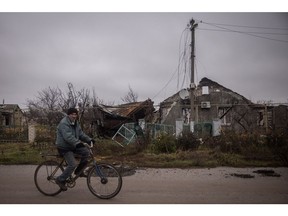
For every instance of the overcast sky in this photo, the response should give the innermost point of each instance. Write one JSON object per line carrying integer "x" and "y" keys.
{"x": 109, "y": 52}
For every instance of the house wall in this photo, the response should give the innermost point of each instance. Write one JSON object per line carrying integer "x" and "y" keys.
{"x": 235, "y": 110}
{"x": 280, "y": 117}
{"x": 170, "y": 112}
{"x": 18, "y": 117}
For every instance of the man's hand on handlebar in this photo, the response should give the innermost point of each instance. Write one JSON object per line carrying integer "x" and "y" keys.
{"x": 91, "y": 144}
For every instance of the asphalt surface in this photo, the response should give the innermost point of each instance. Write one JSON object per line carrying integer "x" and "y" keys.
{"x": 222, "y": 185}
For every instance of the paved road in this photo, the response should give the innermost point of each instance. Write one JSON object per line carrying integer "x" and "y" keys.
{"x": 157, "y": 186}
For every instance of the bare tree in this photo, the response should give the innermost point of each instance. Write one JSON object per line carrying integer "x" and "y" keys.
{"x": 46, "y": 107}
{"x": 84, "y": 101}
{"x": 95, "y": 99}
{"x": 130, "y": 97}
{"x": 70, "y": 98}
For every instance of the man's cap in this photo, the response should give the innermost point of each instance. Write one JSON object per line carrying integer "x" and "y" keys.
{"x": 71, "y": 111}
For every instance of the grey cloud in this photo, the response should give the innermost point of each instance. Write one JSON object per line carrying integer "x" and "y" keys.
{"x": 110, "y": 51}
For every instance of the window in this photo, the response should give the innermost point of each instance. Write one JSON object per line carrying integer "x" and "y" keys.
{"x": 6, "y": 120}
{"x": 205, "y": 90}
{"x": 223, "y": 113}
{"x": 186, "y": 115}
{"x": 260, "y": 120}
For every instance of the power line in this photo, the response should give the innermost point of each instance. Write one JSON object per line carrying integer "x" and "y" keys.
{"x": 221, "y": 30}
{"x": 182, "y": 58}
{"x": 241, "y": 32}
{"x": 245, "y": 26}
{"x": 165, "y": 85}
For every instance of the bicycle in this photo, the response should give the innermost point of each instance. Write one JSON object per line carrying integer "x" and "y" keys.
{"x": 103, "y": 179}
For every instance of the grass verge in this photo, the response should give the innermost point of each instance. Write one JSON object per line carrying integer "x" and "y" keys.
{"x": 24, "y": 153}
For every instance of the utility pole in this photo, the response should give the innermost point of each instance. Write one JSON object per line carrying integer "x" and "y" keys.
{"x": 193, "y": 25}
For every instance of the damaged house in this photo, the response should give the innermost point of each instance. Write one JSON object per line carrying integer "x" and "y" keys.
{"x": 11, "y": 115}
{"x": 108, "y": 119}
{"x": 217, "y": 107}
{"x": 12, "y": 123}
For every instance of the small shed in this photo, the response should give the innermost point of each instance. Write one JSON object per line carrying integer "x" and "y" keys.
{"x": 11, "y": 115}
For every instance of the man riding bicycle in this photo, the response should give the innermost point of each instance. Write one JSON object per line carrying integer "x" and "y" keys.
{"x": 69, "y": 138}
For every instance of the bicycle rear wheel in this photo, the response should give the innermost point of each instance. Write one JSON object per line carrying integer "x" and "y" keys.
{"x": 45, "y": 175}
{"x": 104, "y": 181}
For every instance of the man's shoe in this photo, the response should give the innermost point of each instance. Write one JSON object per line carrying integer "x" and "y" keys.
{"x": 61, "y": 185}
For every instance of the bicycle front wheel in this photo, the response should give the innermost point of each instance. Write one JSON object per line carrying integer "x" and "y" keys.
{"x": 104, "y": 181}
{"x": 45, "y": 175}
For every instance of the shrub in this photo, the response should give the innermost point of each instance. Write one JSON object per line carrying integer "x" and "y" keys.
{"x": 187, "y": 141}
{"x": 226, "y": 143}
{"x": 278, "y": 144}
{"x": 107, "y": 147}
{"x": 45, "y": 134}
{"x": 164, "y": 143}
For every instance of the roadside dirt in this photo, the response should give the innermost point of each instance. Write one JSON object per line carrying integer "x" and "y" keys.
{"x": 221, "y": 185}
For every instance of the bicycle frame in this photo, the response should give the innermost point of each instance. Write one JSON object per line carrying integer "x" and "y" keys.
{"x": 72, "y": 180}
{"x": 57, "y": 168}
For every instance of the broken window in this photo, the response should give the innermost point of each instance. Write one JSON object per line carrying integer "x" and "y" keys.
{"x": 186, "y": 115}
{"x": 260, "y": 120}
{"x": 6, "y": 119}
{"x": 223, "y": 114}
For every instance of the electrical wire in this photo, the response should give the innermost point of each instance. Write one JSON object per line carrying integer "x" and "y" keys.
{"x": 245, "y": 26}
{"x": 265, "y": 33}
{"x": 246, "y": 33}
{"x": 165, "y": 85}
{"x": 182, "y": 56}
{"x": 183, "y": 63}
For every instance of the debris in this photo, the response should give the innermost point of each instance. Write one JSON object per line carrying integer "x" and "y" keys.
{"x": 242, "y": 175}
{"x": 125, "y": 170}
{"x": 266, "y": 172}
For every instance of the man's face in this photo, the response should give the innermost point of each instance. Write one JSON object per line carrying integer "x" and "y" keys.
{"x": 73, "y": 117}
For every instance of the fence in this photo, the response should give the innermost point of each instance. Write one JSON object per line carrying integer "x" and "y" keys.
{"x": 13, "y": 134}
{"x": 200, "y": 129}
{"x": 29, "y": 133}
{"x": 124, "y": 135}
{"x": 128, "y": 132}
